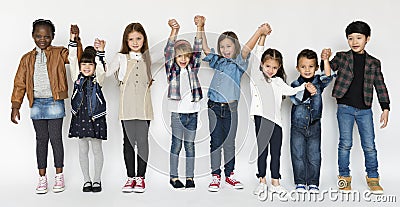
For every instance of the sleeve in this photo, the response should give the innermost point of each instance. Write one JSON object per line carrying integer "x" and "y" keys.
{"x": 65, "y": 52}
{"x": 100, "y": 67}
{"x": 213, "y": 59}
{"x": 298, "y": 97}
{"x": 197, "y": 48}
{"x": 380, "y": 88}
{"x": 287, "y": 90}
{"x": 19, "y": 88}
{"x": 169, "y": 55}
{"x": 73, "y": 60}
{"x": 325, "y": 80}
{"x": 114, "y": 65}
{"x": 255, "y": 60}
{"x": 243, "y": 63}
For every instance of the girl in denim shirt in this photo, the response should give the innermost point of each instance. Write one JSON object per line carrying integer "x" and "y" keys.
{"x": 229, "y": 64}
{"x": 305, "y": 131}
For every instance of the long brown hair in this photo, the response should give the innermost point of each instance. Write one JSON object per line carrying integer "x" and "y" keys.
{"x": 137, "y": 27}
{"x": 233, "y": 37}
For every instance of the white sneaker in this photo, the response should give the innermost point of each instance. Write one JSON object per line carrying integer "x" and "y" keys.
{"x": 313, "y": 189}
{"x": 301, "y": 188}
{"x": 42, "y": 185}
{"x": 59, "y": 183}
{"x": 261, "y": 191}
{"x": 277, "y": 189}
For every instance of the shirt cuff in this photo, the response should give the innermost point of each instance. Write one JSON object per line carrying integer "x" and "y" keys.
{"x": 73, "y": 44}
{"x": 384, "y": 106}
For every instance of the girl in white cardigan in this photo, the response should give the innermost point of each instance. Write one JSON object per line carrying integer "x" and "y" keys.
{"x": 267, "y": 90}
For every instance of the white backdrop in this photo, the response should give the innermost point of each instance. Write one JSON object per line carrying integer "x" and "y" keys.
{"x": 296, "y": 25}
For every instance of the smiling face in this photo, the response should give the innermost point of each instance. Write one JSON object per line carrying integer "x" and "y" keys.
{"x": 307, "y": 67}
{"x": 42, "y": 36}
{"x": 227, "y": 48}
{"x": 135, "y": 41}
{"x": 87, "y": 69}
{"x": 357, "y": 42}
{"x": 182, "y": 58}
{"x": 270, "y": 67}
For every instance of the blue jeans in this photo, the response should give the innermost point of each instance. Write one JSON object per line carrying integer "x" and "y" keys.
{"x": 305, "y": 150}
{"x": 223, "y": 120}
{"x": 346, "y": 115}
{"x": 184, "y": 128}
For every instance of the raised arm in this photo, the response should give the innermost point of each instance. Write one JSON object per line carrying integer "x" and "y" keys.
{"x": 169, "y": 51}
{"x": 197, "y": 46}
{"x": 206, "y": 49}
{"x": 264, "y": 29}
{"x": 73, "y": 54}
{"x": 325, "y": 54}
{"x": 101, "y": 69}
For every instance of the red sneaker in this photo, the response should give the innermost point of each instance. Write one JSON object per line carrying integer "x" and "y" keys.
{"x": 140, "y": 185}
{"x": 233, "y": 182}
{"x": 215, "y": 183}
{"x": 129, "y": 185}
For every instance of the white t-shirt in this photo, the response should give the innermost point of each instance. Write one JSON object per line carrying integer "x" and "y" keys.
{"x": 185, "y": 105}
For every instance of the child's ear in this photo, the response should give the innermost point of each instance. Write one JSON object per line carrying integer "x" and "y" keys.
{"x": 368, "y": 38}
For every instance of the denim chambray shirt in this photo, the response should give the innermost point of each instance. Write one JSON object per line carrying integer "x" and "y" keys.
{"x": 306, "y": 112}
{"x": 225, "y": 84}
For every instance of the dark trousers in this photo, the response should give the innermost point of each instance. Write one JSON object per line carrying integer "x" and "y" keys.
{"x": 268, "y": 133}
{"x": 136, "y": 133}
{"x": 49, "y": 129}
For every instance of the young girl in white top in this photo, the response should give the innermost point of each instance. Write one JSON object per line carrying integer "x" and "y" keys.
{"x": 267, "y": 90}
{"x": 132, "y": 69}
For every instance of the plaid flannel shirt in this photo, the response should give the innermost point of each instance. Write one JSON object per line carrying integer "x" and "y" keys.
{"x": 343, "y": 63}
{"x": 173, "y": 71}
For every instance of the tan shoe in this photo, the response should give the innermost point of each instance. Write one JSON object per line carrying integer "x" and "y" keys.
{"x": 373, "y": 185}
{"x": 344, "y": 183}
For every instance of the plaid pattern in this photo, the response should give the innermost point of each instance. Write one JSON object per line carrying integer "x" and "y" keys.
{"x": 343, "y": 63}
{"x": 173, "y": 71}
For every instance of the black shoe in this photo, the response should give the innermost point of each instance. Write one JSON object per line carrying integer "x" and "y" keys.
{"x": 190, "y": 184}
{"x": 177, "y": 184}
{"x": 87, "y": 187}
{"x": 96, "y": 187}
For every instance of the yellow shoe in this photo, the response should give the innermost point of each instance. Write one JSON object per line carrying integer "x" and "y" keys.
{"x": 344, "y": 183}
{"x": 373, "y": 185}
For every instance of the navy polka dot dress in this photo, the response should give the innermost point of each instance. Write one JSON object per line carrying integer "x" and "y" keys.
{"x": 83, "y": 126}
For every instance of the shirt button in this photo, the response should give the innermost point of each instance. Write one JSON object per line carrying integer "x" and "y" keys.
{"x": 306, "y": 117}
{"x": 256, "y": 105}
{"x": 137, "y": 81}
{"x": 137, "y": 74}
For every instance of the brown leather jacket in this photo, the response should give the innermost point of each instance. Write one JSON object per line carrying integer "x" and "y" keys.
{"x": 57, "y": 57}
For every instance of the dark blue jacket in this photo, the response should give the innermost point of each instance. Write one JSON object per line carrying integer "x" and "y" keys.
{"x": 306, "y": 112}
{"x": 96, "y": 104}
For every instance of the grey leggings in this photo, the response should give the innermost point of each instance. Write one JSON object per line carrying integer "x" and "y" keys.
{"x": 97, "y": 149}
{"x": 49, "y": 129}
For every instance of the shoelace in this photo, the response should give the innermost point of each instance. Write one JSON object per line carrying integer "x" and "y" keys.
{"x": 59, "y": 180}
{"x": 139, "y": 181}
{"x": 233, "y": 180}
{"x": 215, "y": 180}
{"x": 129, "y": 182}
{"x": 42, "y": 183}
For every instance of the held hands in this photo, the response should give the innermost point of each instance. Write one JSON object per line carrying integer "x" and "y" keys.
{"x": 265, "y": 29}
{"x": 74, "y": 32}
{"x": 199, "y": 21}
{"x": 311, "y": 88}
{"x": 15, "y": 115}
{"x": 326, "y": 53}
{"x": 173, "y": 24}
{"x": 99, "y": 45}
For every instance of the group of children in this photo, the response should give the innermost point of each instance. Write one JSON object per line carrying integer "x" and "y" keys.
{"x": 42, "y": 76}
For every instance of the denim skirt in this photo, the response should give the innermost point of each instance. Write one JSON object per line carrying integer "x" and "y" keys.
{"x": 47, "y": 108}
